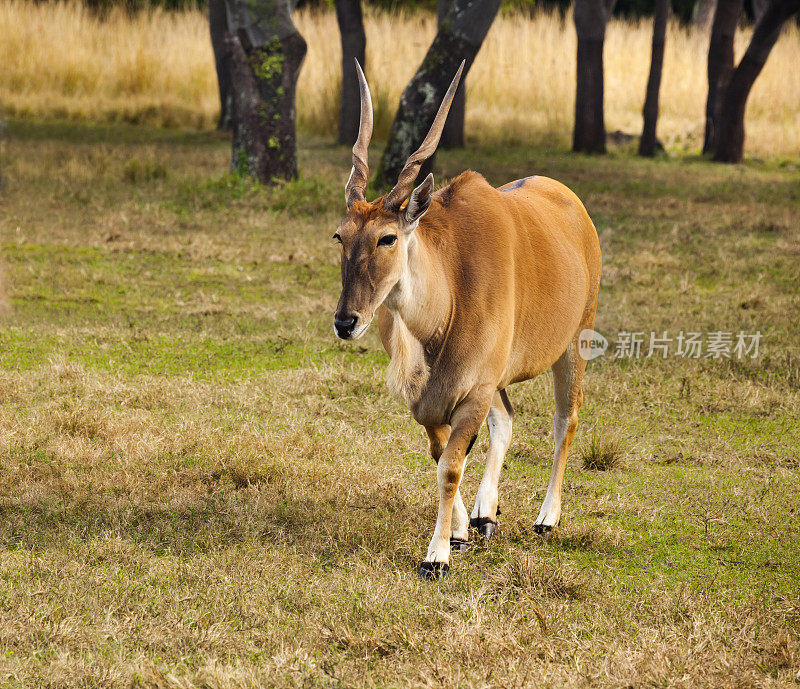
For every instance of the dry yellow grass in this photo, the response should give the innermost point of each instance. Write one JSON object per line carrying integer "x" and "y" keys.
{"x": 63, "y": 61}
{"x": 59, "y": 60}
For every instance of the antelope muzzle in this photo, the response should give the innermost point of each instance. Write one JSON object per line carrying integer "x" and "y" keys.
{"x": 345, "y": 324}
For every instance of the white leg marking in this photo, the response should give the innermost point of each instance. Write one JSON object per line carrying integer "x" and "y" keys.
{"x": 499, "y": 422}
{"x": 460, "y": 525}
{"x": 567, "y": 377}
{"x": 550, "y": 512}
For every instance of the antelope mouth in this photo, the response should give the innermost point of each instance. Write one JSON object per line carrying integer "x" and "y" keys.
{"x": 360, "y": 330}
{"x": 351, "y": 333}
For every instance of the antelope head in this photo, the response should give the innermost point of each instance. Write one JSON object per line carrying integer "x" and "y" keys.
{"x": 375, "y": 236}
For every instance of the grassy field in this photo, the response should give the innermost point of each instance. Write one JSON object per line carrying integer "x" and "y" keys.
{"x": 60, "y": 60}
{"x": 201, "y": 487}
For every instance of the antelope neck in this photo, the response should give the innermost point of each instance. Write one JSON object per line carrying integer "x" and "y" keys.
{"x": 422, "y": 297}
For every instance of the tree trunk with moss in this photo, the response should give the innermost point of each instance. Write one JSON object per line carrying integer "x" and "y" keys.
{"x": 729, "y": 140}
{"x": 720, "y": 64}
{"x": 354, "y": 47}
{"x": 264, "y": 55}
{"x": 459, "y": 37}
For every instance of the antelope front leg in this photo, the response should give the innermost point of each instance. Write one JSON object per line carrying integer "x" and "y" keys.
{"x": 465, "y": 424}
{"x": 459, "y": 536}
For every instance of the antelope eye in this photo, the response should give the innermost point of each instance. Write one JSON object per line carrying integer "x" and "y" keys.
{"x": 387, "y": 240}
{"x": 337, "y": 237}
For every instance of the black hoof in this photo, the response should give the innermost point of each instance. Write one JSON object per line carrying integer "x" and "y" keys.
{"x": 459, "y": 545}
{"x": 429, "y": 571}
{"x": 485, "y": 526}
{"x": 542, "y": 529}
{"x": 485, "y": 531}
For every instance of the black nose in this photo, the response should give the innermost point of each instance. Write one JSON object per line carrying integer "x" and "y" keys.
{"x": 345, "y": 325}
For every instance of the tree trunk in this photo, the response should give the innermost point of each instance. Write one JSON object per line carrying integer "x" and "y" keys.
{"x": 647, "y": 144}
{"x": 453, "y": 132}
{"x": 265, "y": 52}
{"x": 218, "y": 23}
{"x": 704, "y": 14}
{"x": 759, "y": 8}
{"x": 459, "y": 37}
{"x": 591, "y": 17}
{"x": 730, "y": 135}
{"x": 720, "y": 64}
{"x": 354, "y": 45}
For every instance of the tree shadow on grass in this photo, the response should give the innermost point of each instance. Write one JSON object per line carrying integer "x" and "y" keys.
{"x": 215, "y": 512}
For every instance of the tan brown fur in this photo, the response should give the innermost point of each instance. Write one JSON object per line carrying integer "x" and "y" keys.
{"x": 515, "y": 285}
{"x": 508, "y": 279}
{"x": 475, "y": 289}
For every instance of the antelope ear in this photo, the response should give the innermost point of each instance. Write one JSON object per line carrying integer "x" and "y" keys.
{"x": 418, "y": 203}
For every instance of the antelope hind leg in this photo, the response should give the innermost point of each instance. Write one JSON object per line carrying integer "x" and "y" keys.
{"x": 567, "y": 378}
{"x": 499, "y": 420}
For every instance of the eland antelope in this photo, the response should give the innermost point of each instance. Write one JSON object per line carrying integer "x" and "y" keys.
{"x": 475, "y": 288}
